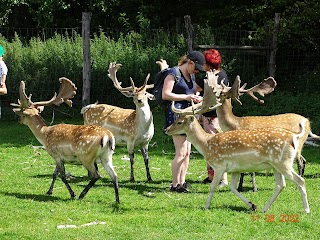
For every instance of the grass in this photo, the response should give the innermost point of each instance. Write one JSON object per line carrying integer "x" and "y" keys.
{"x": 147, "y": 210}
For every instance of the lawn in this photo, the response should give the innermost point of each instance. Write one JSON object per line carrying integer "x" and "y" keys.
{"x": 146, "y": 210}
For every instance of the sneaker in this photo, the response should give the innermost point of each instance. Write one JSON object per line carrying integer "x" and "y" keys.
{"x": 222, "y": 184}
{"x": 178, "y": 189}
{"x": 207, "y": 180}
{"x": 186, "y": 185}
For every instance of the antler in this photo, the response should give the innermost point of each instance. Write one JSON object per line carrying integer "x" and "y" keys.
{"x": 162, "y": 64}
{"x": 113, "y": 68}
{"x": 211, "y": 99}
{"x": 67, "y": 90}
{"x": 265, "y": 87}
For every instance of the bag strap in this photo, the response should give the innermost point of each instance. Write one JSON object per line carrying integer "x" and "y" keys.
{"x": 177, "y": 74}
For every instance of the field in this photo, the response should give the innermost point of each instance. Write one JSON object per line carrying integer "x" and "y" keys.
{"x": 147, "y": 210}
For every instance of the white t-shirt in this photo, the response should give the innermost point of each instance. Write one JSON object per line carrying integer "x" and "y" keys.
{"x": 3, "y": 69}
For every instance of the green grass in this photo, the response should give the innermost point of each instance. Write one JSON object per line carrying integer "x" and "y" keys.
{"x": 147, "y": 210}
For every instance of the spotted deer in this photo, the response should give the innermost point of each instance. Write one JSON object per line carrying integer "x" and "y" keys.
{"x": 240, "y": 151}
{"x": 228, "y": 121}
{"x": 67, "y": 143}
{"x": 289, "y": 121}
{"x": 130, "y": 127}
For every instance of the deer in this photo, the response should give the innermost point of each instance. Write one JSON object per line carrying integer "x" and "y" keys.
{"x": 240, "y": 151}
{"x": 228, "y": 121}
{"x": 130, "y": 127}
{"x": 67, "y": 143}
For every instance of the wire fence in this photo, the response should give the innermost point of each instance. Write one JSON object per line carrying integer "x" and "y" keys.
{"x": 297, "y": 70}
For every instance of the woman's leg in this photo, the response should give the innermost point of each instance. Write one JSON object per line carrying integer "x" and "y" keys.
{"x": 180, "y": 162}
{"x": 210, "y": 125}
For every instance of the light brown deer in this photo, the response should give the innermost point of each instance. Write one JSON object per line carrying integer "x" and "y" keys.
{"x": 246, "y": 151}
{"x": 290, "y": 121}
{"x": 228, "y": 121}
{"x": 66, "y": 143}
{"x": 130, "y": 127}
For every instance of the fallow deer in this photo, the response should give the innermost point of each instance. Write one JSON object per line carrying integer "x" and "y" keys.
{"x": 290, "y": 121}
{"x": 130, "y": 127}
{"x": 67, "y": 143}
{"x": 240, "y": 151}
{"x": 228, "y": 121}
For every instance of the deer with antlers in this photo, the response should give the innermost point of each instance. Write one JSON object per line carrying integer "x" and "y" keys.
{"x": 290, "y": 121}
{"x": 130, "y": 127}
{"x": 240, "y": 151}
{"x": 66, "y": 143}
{"x": 228, "y": 121}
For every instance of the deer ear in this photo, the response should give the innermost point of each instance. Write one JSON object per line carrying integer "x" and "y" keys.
{"x": 150, "y": 96}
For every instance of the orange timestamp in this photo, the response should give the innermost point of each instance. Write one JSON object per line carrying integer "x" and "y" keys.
{"x": 282, "y": 218}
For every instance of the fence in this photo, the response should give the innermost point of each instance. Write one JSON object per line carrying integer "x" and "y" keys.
{"x": 297, "y": 70}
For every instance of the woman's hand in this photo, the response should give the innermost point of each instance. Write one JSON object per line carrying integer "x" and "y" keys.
{"x": 195, "y": 98}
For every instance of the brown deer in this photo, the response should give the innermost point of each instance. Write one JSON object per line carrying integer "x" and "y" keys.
{"x": 228, "y": 121}
{"x": 66, "y": 143}
{"x": 290, "y": 121}
{"x": 245, "y": 151}
{"x": 130, "y": 127}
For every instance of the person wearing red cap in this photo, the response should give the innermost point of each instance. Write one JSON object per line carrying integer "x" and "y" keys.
{"x": 182, "y": 92}
{"x": 3, "y": 73}
{"x": 209, "y": 119}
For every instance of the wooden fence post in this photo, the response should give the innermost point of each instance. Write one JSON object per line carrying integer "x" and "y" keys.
{"x": 272, "y": 62}
{"x": 190, "y": 30}
{"x": 86, "y": 19}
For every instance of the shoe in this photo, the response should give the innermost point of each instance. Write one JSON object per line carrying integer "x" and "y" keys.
{"x": 222, "y": 184}
{"x": 207, "y": 180}
{"x": 178, "y": 189}
{"x": 186, "y": 185}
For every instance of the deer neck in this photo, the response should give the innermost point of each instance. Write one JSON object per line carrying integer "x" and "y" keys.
{"x": 227, "y": 120}
{"x": 37, "y": 126}
{"x": 198, "y": 137}
{"x": 144, "y": 114}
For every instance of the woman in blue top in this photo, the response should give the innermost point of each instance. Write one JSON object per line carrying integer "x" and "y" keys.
{"x": 182, "y": 93}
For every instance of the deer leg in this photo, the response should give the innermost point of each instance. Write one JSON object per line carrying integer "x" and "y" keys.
{"x": 254, "y": 184}
{"x": 301, "y": 165}
{"x": 61, "y": 169}
{"x": 144, "y": 151}
{"x": 109, "y": 168}
{"x": 92, "y": 169}
{"x": 233, "y": 187}
{"x": 240, "y": 186}
{"x": 213, "y": 185}
{"x": 54, "y": 177}
{"x": 280, "y": 185}
{"x": 299, "y": 181}
{"x": 96, "y": 167}
{"x": 131, "y": 155}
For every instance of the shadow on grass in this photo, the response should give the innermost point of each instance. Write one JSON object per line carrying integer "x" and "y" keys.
{"x": 34, "y": 197}
{"x": 142, "y": 187}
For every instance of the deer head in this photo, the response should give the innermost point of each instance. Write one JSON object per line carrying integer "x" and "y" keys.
{"x": 26, "y": 107}
{"x": 139, "y": 94}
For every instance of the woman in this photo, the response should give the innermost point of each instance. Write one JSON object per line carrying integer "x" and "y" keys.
{"x": 182, "y": 92}
{"x": 209, "y": 119}
{"x": 3, "y": 73}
